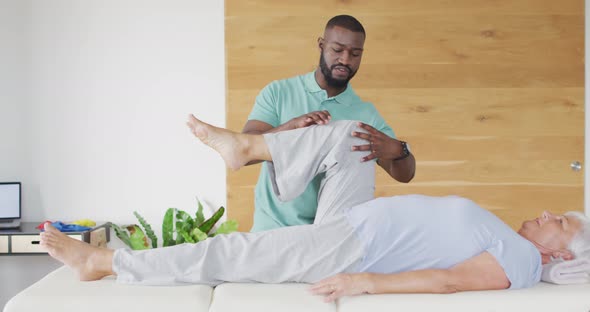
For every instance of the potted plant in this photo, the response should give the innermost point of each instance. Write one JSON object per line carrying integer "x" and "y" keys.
{"x": 178, "y": 227}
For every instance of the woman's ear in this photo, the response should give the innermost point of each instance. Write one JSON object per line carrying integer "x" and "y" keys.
{"x": 546, "y": 257}
{"x": 563, "y": 254}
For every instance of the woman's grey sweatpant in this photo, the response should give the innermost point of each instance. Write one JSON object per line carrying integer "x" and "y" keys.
{"x": 306, "y": 253}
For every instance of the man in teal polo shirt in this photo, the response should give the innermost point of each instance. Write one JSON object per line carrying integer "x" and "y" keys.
{"x": 315, "y": 99}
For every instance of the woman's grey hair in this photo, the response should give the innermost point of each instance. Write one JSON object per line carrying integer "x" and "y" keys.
{"x": 580, "y": 244}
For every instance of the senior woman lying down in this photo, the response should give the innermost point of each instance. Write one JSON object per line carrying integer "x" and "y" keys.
{"x": 357, "y": 244}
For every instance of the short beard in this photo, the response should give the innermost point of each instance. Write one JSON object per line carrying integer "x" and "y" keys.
{"x": 327, "y": 72}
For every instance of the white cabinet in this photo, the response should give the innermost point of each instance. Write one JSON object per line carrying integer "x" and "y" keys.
{"x": 27, "y": 238}
{"x": 30, "y": 243}
{"x": 3, "y": 244}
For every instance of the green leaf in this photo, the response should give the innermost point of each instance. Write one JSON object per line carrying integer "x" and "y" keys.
{"x": 187, "y": 237}
{"x": 137, "y": 238}
{"x": 199, "y": 218}
{"x": 122, "y": 235}
{"x": 184, "y": 224}
{"x": 184, "y": 221}
{"x": 227, "y": 227}
{"x": 208, "y": 225}
{"x": 198, "y": 235}
{"x": 148, "y": 229}
{"x": 179, "y": 230}
{"x": 168, "y": 228}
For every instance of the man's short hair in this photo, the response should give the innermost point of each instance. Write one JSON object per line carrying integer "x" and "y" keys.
{"x": 580, "y": 244}
{"x": 347, "y": 22}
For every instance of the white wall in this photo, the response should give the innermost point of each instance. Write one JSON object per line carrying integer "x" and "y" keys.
{"x": 13, "y": 90}
{"x": 112, "y": 82}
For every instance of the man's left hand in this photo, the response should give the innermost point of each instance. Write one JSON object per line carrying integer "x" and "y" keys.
{"x": 341, "y": 285}
{"x": 380, "y": 144}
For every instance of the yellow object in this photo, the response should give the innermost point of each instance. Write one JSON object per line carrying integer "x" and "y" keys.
{"x": 84, "y": 222}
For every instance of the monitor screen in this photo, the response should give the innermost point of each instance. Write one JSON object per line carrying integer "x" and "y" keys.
{"x": 10, "y": 200}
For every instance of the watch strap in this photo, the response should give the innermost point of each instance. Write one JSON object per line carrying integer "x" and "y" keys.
{"x": 405, "y": 151}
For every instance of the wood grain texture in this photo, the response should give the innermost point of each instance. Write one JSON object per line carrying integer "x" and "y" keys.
{"x": 489, "y": 93}
{"x": 328, "y": 8}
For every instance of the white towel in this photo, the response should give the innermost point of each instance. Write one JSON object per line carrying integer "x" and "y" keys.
{"x": 575, "y": 271}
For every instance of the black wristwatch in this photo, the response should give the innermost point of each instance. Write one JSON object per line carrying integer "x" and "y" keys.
{"x": 405, "y": 151}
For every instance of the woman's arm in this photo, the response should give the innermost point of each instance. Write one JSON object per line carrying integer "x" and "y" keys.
{"x": 481, "y": 272}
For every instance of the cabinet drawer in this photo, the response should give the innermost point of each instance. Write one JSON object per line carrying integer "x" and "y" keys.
{"x": 3, "y": 244}
{"x": 30, "y": 243}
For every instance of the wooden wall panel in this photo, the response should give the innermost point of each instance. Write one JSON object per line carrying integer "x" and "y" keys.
{"x": 329, "y": 8}
{"x": 490, "y": 94}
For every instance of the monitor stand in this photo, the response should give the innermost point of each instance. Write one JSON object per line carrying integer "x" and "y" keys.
{"x": 9, "y": 224}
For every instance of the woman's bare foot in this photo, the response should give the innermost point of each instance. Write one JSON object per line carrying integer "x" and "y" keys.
{"x": 91, "y": 263}
{"x": 233, "y": 147}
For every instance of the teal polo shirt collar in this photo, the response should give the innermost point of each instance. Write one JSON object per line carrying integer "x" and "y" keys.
{"x": 311, "y": 85}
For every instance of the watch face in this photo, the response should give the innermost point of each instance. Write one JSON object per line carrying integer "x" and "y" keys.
{"x": 405, "y": 147}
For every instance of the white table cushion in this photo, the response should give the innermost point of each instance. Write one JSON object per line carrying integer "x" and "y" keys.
{"x": 61, "y": 291}
{"x": 542, "y": 297}
{"x": 231, "y": 297}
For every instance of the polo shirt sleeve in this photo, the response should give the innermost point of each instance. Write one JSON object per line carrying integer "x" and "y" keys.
{"x": 380, "y": 124}
{"x": 265, "y": 107}
{"x": 521, "y": 262}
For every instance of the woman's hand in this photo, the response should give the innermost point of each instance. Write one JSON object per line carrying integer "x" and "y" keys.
{"x": 342, "y": 285}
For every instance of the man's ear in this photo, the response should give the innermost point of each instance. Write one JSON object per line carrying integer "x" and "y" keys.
{"x": 320, "y": 43}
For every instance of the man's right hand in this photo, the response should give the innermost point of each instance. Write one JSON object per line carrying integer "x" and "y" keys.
{"x": 313, "y": 118}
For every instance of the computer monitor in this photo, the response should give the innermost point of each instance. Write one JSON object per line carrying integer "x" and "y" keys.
{"x": 10, "y": 204}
